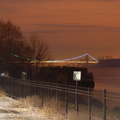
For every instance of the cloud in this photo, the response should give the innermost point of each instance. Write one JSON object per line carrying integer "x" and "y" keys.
{"x": 61, "y": 28}
{"x": 71, "y": 26}
{"x": 65, "y": 25}
{"x": 42, "y": 31}
{"x": 77, "y": 26}
{"x": 33, "y": 1}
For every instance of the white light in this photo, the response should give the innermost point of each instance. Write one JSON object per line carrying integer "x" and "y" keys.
{"x": 24, "y": 73}
{"x": 77, "y": 75}
{"x": 2, "y": 74}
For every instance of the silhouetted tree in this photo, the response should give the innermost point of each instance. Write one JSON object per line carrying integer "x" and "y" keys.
{"x": 39, "y": 48}
{"x": 10, "y": 40}
{"x": 39, "y": 51}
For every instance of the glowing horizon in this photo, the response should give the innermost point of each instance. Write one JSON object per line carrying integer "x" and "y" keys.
{"x": 70, "y": 27}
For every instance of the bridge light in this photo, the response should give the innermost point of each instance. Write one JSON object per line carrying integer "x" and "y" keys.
{"x": 16, "y": 55}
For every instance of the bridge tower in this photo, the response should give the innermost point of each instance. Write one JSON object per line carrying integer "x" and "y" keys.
{"x": 86, "y": 58}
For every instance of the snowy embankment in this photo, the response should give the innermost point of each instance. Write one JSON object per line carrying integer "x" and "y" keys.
{"x": 25, "y": 109}
{"x": 32, "y": 108}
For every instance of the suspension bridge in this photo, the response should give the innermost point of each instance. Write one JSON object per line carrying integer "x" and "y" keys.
{"x": 86, "y": 58}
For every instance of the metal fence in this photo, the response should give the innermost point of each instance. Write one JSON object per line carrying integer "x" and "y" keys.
{"x": 95, "y": 104}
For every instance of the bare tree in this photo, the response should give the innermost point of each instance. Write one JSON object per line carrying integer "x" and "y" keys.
{"x": 39, "y": 51}
{"x": 10, "y": 39}
{"x": 39, "y": 48}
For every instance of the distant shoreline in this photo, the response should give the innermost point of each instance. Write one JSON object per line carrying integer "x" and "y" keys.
{"x": 107, "y": 63}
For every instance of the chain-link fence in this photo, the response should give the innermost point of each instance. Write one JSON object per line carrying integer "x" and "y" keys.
{"x": 69, "y": 101}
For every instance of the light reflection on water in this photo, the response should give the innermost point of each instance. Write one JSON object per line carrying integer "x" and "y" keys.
{"x": 106, "y": 78}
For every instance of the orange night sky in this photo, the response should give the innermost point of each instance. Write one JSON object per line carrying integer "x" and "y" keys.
{"x": 70, "y": 27}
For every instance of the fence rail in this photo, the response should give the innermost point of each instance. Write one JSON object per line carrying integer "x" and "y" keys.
{"x": 70, "y": 94}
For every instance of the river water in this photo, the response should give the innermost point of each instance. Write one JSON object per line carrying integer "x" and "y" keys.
{"x": 106, "y": 78}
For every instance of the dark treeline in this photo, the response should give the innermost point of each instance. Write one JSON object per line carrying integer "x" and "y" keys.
{"x": 14, "y": 42}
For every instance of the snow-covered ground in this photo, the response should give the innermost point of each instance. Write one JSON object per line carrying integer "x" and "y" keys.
{"x": 30, "y": 108}
{"x": 8, "y": 112}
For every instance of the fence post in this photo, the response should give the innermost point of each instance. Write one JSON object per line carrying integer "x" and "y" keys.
{"x": 35, "y": 87}
{"x": 89, "y": 102}
{"x": 41, "y": 94}
{"x": 49, "y": 94}
{"x": 49, "y": 97}
{"x": 56, "y": 98}
{"x": 66, "y": 99}
{"x": 24, "y": 88}
{"x": 104, "y": 104}
{"x": 77, "y": 96}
